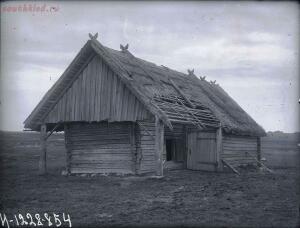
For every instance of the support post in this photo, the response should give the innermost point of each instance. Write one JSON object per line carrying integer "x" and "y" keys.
{"x": 159, "y": 145}
{"x": 259, "y": 151}
{"x": 185, "y": 146}
{"x": 133, "y": 148}
{"x": 43, "y": 150}
{"x": 219, "y": 140}
{"x": 68, "y": 151}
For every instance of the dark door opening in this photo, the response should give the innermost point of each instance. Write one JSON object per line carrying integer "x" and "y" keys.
{"x": 169, "y": 149}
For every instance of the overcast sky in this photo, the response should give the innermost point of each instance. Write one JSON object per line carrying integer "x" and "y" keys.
{"x": 250, "y": 48}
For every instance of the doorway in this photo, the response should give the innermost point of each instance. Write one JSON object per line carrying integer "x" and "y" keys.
{"x": 169, "y": 149}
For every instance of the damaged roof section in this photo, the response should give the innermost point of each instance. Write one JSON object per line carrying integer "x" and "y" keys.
{"x": 171, "y": 95}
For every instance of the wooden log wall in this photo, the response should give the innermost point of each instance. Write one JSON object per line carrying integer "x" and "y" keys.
{"x": 236, "y": 149}
{"x": 97, "y": 94}
{"x": 101, "y": 147}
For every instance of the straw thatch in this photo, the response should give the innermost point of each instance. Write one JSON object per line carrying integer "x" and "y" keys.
{"x": 153, "y": 83}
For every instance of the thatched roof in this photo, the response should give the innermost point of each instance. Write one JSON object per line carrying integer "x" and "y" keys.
{"x": 161, "y": 89}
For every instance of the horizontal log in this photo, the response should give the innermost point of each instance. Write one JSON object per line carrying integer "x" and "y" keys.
{"x": 102, "y": 157}
{"x": 99, "y": 170}
{"x": 239, "y": 140}
{"x": 95, "y": 146}
{"x": 237, "y": 148}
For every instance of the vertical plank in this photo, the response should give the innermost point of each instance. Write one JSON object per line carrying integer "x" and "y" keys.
{"x": 88, "y": 91}
{"x": 138, "y": 148}
{"x": 159, "y": 144}
{"x": 92, "y": 97}
{"x": 113, "y": 97}
{"x": 259, "y": 151}
{"x": 68, "y": 151}
{"x": 185, "y": 147}
{"x": 133, "y": 147}
{"x": 109, "y": 92}
{"x": 100, "y": 82}
{"x": 43, "y": 150}
{"x": 104, "y": 84}
{"x": 219, "y": 150}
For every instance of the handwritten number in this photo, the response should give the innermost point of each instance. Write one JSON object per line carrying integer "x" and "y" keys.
{"x": 28, "y": 215}
{"x": 56, "y": 219}
{"x": 67, "y": 219}
{"x": 23, "y": 222}
{"x": 48, "y": 218}
{"x": 38, "y": 218}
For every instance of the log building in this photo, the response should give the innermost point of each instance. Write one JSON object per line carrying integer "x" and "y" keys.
{"x": 122, "y": 114}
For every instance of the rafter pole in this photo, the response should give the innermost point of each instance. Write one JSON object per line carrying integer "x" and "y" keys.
{"x": 200, "y": 125}
{"x": 181, "y": 93}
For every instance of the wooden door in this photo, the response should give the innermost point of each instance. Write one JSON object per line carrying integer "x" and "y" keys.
{"x": 202, "y": 151}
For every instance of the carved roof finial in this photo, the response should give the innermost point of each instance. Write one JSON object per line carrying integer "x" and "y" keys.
{"x": 213, "y": 82}
{"x": 202, "y": 78}
{"x": 190, "y": 72}
{"x": 93, "y": 37}
{"x": 124, "y": 48}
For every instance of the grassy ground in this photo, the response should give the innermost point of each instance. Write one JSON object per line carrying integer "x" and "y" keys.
{"x": 182, "y": 197}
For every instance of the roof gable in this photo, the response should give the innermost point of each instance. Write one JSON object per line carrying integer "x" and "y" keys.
{"x": 97, "y": 94}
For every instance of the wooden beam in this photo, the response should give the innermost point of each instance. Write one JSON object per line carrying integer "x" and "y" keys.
{"x": 219, "y": 150}
{"x": 133, "y": 147}
{"x": 68, "y": 151}
{"x": 230, "y": 166}
{"x": 185, "y": 130}
{"x": 181, "y": 93}
{"x": 159, "y": 145}
{"x": 43, "y": 150}
{"x": 259, "y": 151}
{"x": 55, "y": 127}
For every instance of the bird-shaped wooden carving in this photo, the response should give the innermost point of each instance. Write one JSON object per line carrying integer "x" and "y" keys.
{"x": 93, "y": 37}
{"x": 202, "y": 78}
{"x": 124, "y": 48}
{"x": 213, "y": 82}
{"x": 191, "y": 72}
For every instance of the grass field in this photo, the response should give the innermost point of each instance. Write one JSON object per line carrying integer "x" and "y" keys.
{"x": 182, "y": 197}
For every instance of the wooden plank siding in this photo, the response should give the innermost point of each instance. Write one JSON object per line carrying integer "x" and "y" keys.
{"x": 236, "y": 149}
{"x": 145, "y": 141}
{"x": 101, "y": 147}
{"x": 96, "y": 95}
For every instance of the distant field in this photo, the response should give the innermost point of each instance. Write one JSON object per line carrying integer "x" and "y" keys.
{"x": 281, "y": 151}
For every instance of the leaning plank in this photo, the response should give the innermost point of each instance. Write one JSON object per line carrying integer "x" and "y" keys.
{"x": 50, "y": 133}
{"x": 230, "y": 166}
